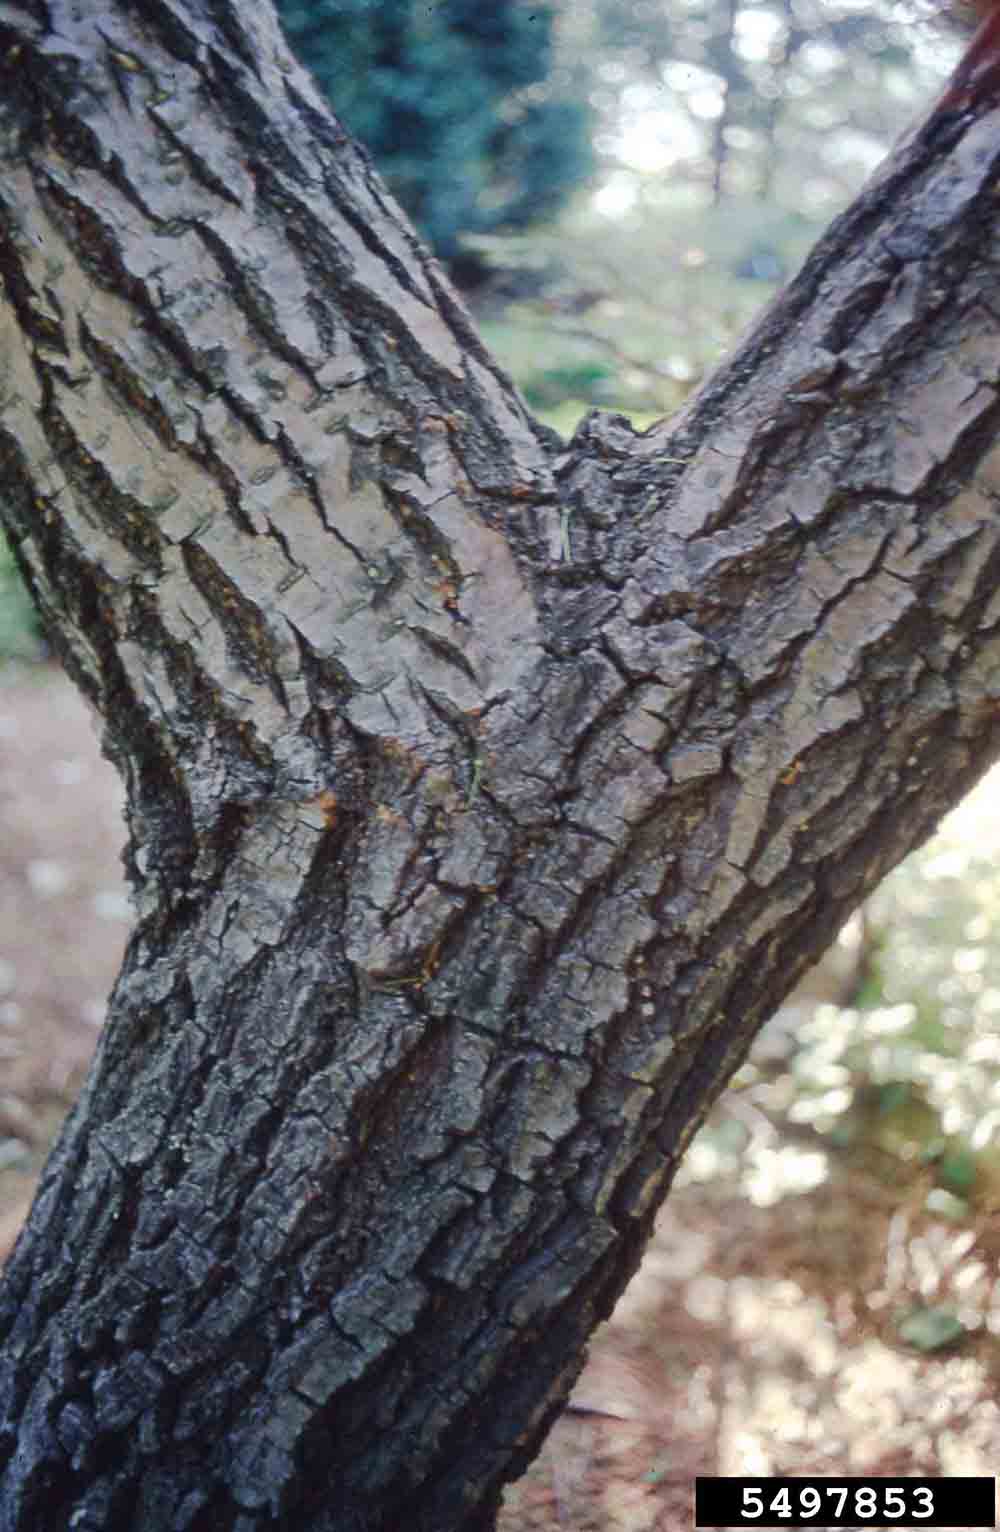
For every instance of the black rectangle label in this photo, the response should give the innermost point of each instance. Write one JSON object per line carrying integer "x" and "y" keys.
{"x": 844, "y": 1502}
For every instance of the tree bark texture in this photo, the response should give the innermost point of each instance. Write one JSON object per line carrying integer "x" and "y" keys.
{"x": 485, "y": 794}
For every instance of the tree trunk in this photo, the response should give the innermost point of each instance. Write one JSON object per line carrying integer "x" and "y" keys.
{"x": 484, "y": 795}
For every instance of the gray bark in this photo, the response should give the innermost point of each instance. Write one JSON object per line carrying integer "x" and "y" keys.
{"x": 485, "y": 795}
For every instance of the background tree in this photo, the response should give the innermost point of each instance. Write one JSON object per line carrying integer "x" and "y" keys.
{"x": 727, "y": 136}
{"x": 485, "y": 793}
{"x": 775, "y": 103}
{"x": 456, "y": 103}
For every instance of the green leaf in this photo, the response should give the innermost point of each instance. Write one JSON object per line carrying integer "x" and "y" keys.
{"x": 957, "y": 1170}
{"x": 930, "y": 1329}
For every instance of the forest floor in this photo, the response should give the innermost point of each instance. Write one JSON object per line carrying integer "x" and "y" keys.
{"x": 64, "y": 914}
{"x": 761, "y": 1334}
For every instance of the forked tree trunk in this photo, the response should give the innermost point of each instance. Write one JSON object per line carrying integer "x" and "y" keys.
{"x": 484, "y": 795}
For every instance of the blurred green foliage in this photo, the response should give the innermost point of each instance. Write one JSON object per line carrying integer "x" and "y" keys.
{"x": 905, "y": 1080}
{"x": 19, "y": 631}
{"x": 586, "y": 380}
{"x": 626, "y": 312}
{"x": 728, "y": 134}
{"x": 930, "y": 1329}
{"x": 873, "y": 1119}
{"x": 456, "y": 103}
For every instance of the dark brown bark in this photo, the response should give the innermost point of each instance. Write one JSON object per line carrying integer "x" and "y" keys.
{"x": 484, "y": 796}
